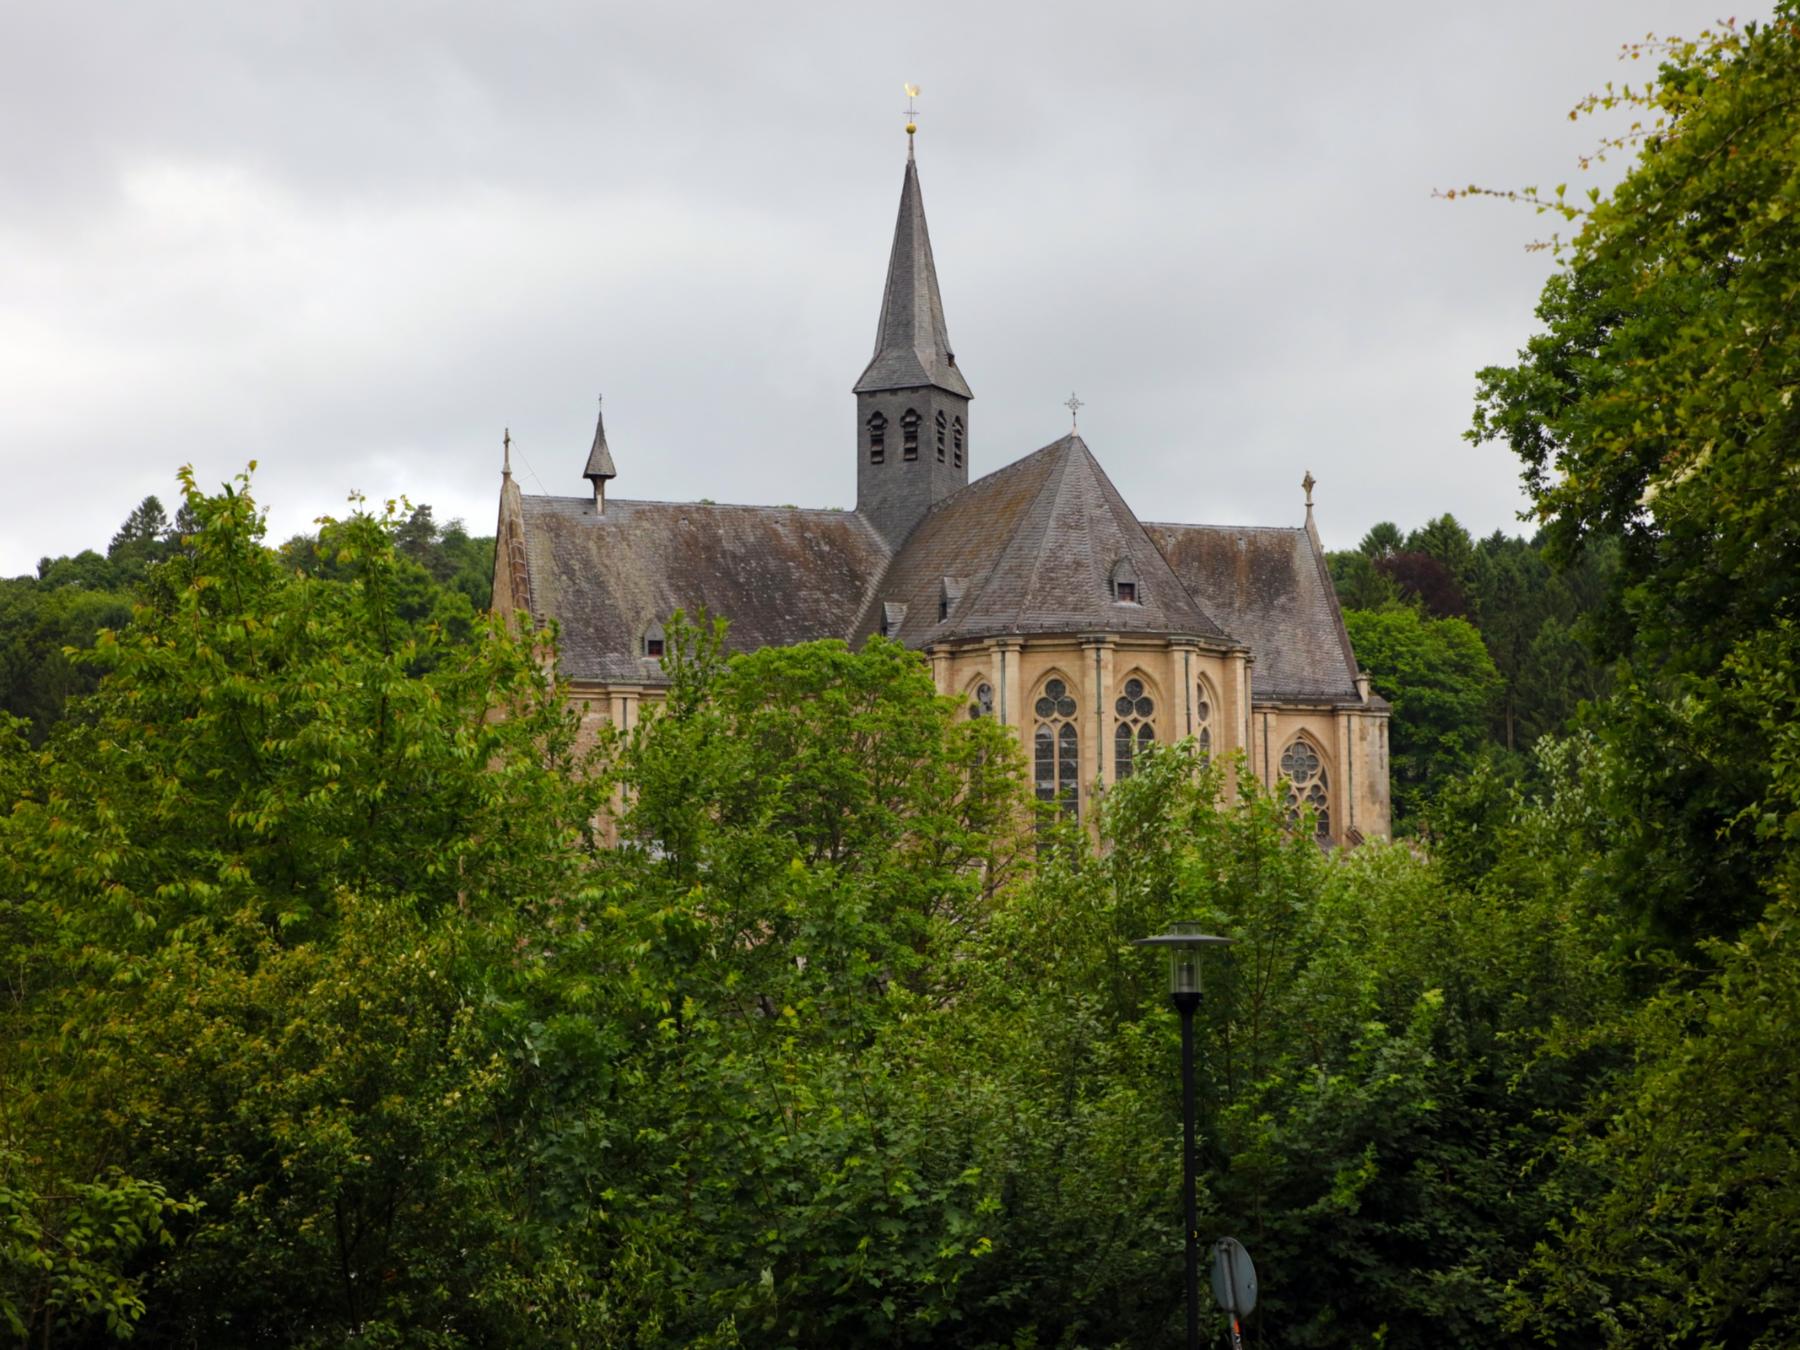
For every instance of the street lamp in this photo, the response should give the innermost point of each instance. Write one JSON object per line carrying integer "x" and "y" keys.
{"x": 1184, "y": 943}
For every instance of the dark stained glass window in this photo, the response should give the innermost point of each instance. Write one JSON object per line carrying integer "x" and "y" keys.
{"x": 1307, "y": 786}
{"x": 1056, "y": 749}
{"x": 1135, "y": 732}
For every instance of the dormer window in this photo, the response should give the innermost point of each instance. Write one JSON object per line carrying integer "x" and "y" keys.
{"x": 956, "y": 441}
{"x": 943, "y": 428}
{"x": 1125, "y": 592}
{"x": 893, "y": 614}
{"x": 1124, "y": 583}
{"x": 877, "y": 438}
{"x": 653, "y": 642}
{"x": 909, "y": 434}
{"x": 949, "y": 593}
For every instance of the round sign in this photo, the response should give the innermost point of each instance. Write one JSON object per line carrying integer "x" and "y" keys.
{"x": 1233, "y": 1277}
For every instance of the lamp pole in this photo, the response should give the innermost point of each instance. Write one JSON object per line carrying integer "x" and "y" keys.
{"x": 1184, "y": 942}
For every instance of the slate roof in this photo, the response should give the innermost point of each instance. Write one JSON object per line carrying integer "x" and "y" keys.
{"x": 1031, "y": 549}
{"x": 780, "y": 574}
{"x": 912, "y": 344}
{"x": 1270, "y": 588}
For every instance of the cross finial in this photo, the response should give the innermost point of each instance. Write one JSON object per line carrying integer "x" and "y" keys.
{"x": 1074, "y": 405}
{"x": 912, "y": 116}
{"x": 1306, "y": 485}
{"x": 506, "y": 454}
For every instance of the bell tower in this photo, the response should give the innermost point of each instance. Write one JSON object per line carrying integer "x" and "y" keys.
{"x": 912, "y": 403}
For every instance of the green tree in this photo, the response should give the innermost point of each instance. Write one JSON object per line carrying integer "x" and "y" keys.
{"x": 1655, "y": 412}
{"x": 1442, "y": 683}
{"x": 269, "y": 888}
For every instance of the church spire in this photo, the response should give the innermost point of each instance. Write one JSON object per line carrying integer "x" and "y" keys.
{"x": 599, "y": 462}
{"x": 912, "y": 344}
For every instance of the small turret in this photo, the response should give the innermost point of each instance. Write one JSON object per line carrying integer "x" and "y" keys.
{"x": 599, "y": 464}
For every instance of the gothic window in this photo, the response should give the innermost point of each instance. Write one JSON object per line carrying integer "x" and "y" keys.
{"x": 1135, "y": 732}
{"x": 877, "y": 438}
{"x": 909, "y": 434}
{"x": 1124, "y": 583}
{"x": 1203, "y": 711}
{"x": 1307, "y": 785}
{"x": 942, "y": 427}
{"x": 1056, "y": 748}
{"x": 956, "y": 440}
{"x": 981, "y": 700}
{"x": 653, "y": 642}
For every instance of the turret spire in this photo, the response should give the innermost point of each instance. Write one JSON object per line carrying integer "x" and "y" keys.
{"x": 599, "y": 462}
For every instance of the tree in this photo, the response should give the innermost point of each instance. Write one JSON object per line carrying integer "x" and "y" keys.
{"x": 1442, "y": 683}
{"x": 268, "y": 889}
{"x": 1655, "y": 413}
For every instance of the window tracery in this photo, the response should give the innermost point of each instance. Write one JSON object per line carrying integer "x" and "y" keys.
{"x": 981, "y": 700}
{"x": 1056, "y": 747}
{"x": 1307, "y": 785}
{"x": 1135, "y": 732}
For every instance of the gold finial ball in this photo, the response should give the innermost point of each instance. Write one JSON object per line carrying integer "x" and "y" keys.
{"x": 911, "y": 127}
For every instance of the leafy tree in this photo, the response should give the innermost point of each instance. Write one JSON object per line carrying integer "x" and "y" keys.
{"x": 1442, "y": 683}
{"x": 1383, "y": 538}
{"x": 268, "y": 886}
{"x": 1655, "y": 412}
{"x": 1426, "y": 581}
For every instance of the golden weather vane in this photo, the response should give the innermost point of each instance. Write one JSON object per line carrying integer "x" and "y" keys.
{"x": 912, "y": 113}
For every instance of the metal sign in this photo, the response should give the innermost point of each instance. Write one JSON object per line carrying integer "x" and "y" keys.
{"x": 1233, "y": 1282}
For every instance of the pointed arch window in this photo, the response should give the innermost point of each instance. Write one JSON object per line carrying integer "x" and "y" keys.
{"x": 909, "y": 434}
{"x": 877, "y": 438}
{"x": 956, "y": 441}
{"x": 1203, "y": 714}
{"x": 1056, "y": 749}
{"x": 1307, "y": 785}
{"x": 981, "y": 700}
{"x": 1135, "y": 731}
{"x": 943, "y": 430}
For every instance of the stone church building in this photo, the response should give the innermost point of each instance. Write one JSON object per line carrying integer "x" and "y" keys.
{"x": 1036, "y": 593}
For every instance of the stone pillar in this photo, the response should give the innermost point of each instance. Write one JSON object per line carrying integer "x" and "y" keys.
{"x": 1009, "y": 689}
{"x": 1097, "y": 652}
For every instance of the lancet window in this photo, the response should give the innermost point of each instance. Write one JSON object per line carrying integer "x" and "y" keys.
{"x": 1307, "y": 785}
{"x": 1203, "y": 714}
{"x": 1056, "y": 748}
{"x": 1135, "y": 731}
{"x": 909, "y": 434}
{"x": 943, "y": 427}
{"x": 877, "y": 438}
{"x": 956, "y": 440}
{"x": 981, "y": 700}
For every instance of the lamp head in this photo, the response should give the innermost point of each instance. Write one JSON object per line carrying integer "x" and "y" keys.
{"x": 1184, "y": 942}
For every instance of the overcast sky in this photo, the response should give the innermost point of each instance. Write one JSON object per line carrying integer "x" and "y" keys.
{"x": 354, "y": 241}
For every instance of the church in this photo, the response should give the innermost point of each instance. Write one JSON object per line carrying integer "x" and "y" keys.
{"x": 1037, "y": 595}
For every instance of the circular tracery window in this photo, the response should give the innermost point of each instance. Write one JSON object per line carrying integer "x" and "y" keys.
{"x": 981, "y": 701}
{"x": 1055, "y": 701}
{"x": 1135, "y": 733}
{"x": 1307, "y": 786}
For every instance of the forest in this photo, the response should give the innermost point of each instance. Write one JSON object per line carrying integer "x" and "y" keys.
{"x": 331, "y": 1017}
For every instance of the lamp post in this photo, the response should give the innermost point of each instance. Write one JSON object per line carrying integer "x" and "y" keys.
{"x": 1184, "y": 942}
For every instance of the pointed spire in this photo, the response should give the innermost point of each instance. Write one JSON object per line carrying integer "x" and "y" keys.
{"x": 600, "y": 461}
{"x": 506, "y": 456}
{"x": 912, "y": 344}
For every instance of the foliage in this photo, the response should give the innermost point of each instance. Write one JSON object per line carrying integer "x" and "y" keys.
{"x": 1442, "y": 683}
{"x": 1655, "y": 413}
{"x": 267, "y": 885}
